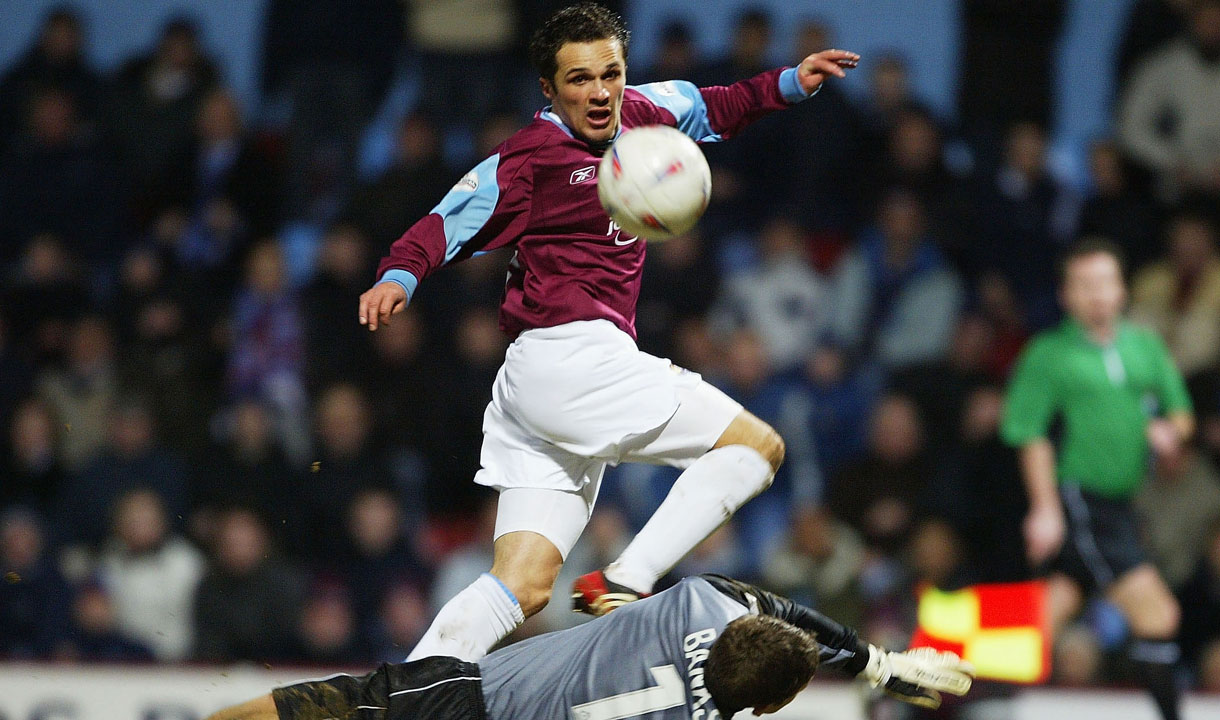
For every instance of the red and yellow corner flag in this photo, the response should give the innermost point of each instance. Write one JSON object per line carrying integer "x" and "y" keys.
{"x": 1001, "y": 628}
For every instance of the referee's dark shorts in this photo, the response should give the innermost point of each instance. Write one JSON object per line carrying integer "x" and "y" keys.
{"x": 436, "y": 688}
{"x": 1102, "y": 542}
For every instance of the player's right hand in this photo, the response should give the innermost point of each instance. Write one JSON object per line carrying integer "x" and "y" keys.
{"x": 381, "y": 301}
{"x": 1045, "y": 529}
{"x": 918, "y": 676}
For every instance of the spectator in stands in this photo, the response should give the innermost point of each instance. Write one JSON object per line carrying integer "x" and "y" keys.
{"x": 83, "y": 393}
{"x": 749, "y": 52}
{"x": 337, "y": 348}
{"x": 46, "y": 294}
{"x": 407, "y": 190}
{"x": 881, "y": 493}
{"x": 144, "y": 274}
{"x": 151, "y": 575}
{"x": 842, "y": 404}
{"x": 942, "y": 388}
{"x": 267, "y": 357}
{"x": 682, "y": 284}
{"x": 249, "y": 602}
{"x": 820, "y": 564}
{"x": 911, "y": 156}
{"x": 676, "y": 56}
{"x": 17, "y": 371}
{"x": 1179, "y": 297}
{"x": 232, "y": 189}
{"x": 247, "y": 460}
{"x": 379, "y": 555}
{"x": 327, "y": 634}
{"x": 889, "y": 94}
{"x": 345, "y": 462}
{"x": 32, "y": 474}
{"x": 56, "y": 59}
{"x": 246, "y": 465}
{"x": 57, "y": 177}
{"x": 1019, "y": 223}
{"x": 230, "y": 166}
{"x": 467, "y": 390}
{"x": 1179, "y": 504}
{"x": 404, "y": 618}
{"x": 1118, "y": 205}
{"x": 987, "y": 514}
{"x": 1167, "y": 120}
{"x": 331, "y": 62}
{"x": 172, "y": 367}
{"x": 33, "y": 595}
{"x": 96, "y": 636}
{"x": 896, "y": 300}
{"x": 999, "y": 306}
{"x": 935, "y": 553}
{"x": 784, "y": 299}
{"x": 410, "y": 395}
{"x": 154, "y": 104}
{"x": 131, "y": 458}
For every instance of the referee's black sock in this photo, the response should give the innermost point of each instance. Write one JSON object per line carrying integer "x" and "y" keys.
{"x": 1155, "y": 661}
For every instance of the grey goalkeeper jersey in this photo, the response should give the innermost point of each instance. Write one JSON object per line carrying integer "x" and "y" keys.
{"x": 643, "y": 660}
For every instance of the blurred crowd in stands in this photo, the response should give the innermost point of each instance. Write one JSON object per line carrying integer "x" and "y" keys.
{"x": 205, "y": 457}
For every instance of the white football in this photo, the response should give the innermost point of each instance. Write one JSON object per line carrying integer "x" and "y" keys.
{"x": 654, "y": 182}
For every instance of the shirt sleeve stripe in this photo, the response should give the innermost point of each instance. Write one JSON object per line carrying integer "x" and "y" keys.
{"x": 684, "y": 101}
{"x": 469, "y": 205}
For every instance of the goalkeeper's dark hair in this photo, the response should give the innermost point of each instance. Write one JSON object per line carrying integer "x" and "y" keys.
{"x": 584, "y": 22}
{"x": 757, "y": 661}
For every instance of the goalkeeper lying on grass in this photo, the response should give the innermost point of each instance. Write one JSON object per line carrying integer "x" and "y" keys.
{"x": 707, "y": 648}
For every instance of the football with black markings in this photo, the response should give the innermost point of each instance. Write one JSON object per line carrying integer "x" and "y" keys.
{"x": 654, "y": 182}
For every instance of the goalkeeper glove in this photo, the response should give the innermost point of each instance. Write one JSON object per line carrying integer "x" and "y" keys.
{"x": 918, "y": 676}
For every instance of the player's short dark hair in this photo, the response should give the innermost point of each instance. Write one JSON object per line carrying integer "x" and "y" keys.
{"x": 1091, "y": 245}
{"x": 583, "y": 22}
{"x": 759, "y": 660}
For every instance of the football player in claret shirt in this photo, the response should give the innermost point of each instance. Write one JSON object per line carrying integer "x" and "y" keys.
{"x": 704, "y": 649}
{"x": 575, "y": 393}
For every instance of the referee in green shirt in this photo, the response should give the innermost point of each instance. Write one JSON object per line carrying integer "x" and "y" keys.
{"x": 1120, "y": 398}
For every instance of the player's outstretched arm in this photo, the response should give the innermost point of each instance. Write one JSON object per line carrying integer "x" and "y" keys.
{"x": 381, "y": 301}
{"x": 261, "y": 708}
{"x": 814, "y": 70}
{"x": 916, "y": 676}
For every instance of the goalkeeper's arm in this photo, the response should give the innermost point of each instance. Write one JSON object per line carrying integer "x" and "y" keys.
{"x": 915, "y": 676}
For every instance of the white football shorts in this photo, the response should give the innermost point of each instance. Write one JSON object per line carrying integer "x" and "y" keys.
{"x": 572, "y": 399}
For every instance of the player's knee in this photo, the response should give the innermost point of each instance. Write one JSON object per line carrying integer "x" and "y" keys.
{"x": 771, "y": 446}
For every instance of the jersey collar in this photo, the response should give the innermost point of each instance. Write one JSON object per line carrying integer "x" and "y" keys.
{"x": 548, "y": 113}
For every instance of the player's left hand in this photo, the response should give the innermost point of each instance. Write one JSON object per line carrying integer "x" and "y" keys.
{"x": 918, "y": 676}
{"x": 814, "y": 69}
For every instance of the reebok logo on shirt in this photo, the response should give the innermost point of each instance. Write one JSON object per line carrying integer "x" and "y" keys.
{"x": 584, "y": 174}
